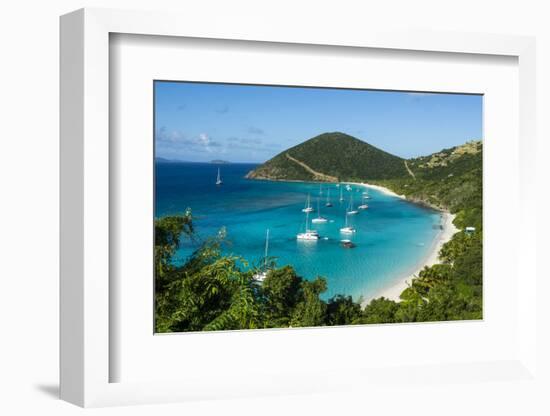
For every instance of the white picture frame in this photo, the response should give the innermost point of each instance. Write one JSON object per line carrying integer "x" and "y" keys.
{"x": 85, "y": 351}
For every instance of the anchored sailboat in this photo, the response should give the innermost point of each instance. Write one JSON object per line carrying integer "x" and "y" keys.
{"x": 311, "y": 235}
{"x": 341, "y": 194}
{"x": 219, "y": 179}
{"x": 319, "y": 219}
{"x": 363, "y": 206}
{"x": 260, "y": 276}
{"x": 328, "y": 203}
{"x": 351, "y": 211}
{"x": 347, "y": 229}
{"x": 308, "y": 207}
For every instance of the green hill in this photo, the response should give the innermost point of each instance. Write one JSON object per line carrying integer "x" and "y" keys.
{"x": 332, "y": 157}
{"x": 450, "y": 179}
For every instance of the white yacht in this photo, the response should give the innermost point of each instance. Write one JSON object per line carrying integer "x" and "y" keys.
{"x": 219, "y": 179}
{"x": 308, "y": 207}
{"x": 311, "y": 235}
{"x": 260, "y": 276}
{"x": 319, "y": 219}
{"x": 347, "y": 229}
{"x": 351, "y": 211}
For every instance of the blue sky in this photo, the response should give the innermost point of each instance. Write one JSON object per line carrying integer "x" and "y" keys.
{"x": 200, "y": 122}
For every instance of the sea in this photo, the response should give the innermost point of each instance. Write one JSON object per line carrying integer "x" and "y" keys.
{"x": 393, "y": 237}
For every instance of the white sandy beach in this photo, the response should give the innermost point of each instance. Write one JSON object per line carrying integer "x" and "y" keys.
{"x": 392, "y": 292}
{"x": 379, "y": 188}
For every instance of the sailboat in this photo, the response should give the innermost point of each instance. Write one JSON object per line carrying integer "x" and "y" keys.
{"x": 320, "y": 189}
{"x": 363, "y": 205}
{"x": 319, "y": 219}
{"x": 347, "y": 229}
{"x": 260, "y": 276}
{"x": 311, "y": 235}
{"x": 341, "y": 194}
{"x": 348, "y": 187}
{"x": 219, "y": 179}
{"x": 308, "y": 207}
{"x": 351, "y": 211}
{"x": 328, "y": 203}
{"x": 366, "y": 195}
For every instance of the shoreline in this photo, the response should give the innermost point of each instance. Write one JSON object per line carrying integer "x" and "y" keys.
{"x": 378, "y": 188}
{"x": 393, "y": 291}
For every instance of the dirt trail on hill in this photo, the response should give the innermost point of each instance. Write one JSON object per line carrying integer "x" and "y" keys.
{"x": 409, "y": 170}
{"x": 316, "y": 175}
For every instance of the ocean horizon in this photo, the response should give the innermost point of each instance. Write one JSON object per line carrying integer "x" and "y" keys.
{"x": 392, "y": 238}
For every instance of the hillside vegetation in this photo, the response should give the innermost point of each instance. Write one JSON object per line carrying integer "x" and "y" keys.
{"x": 450, "y": 179}
{"x": 338, "y": 155}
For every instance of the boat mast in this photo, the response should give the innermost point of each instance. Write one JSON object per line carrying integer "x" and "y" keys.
{"x": 266, "y": 248}
{"x": 318, "y": 207}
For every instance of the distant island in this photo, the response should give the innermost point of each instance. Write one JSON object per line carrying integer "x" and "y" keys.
{"x": 219, "y": 162}
{"x": 164, "y": 160}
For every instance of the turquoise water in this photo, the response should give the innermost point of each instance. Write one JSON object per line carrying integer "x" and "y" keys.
{"x": 393, "y": 236}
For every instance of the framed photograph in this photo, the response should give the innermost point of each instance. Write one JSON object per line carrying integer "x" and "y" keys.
{"x": 237, "y": 208}
{"x": 257, "y": 228}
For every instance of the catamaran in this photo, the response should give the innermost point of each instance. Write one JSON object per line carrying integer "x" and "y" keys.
{"x": 260, "y": 276}
{"x": 319, "y": 219}
{"x": 308, "y": 207}
{"x": 347, "y": 229}
{"x": 311, "y": 235}
{"x": 328, "y": 203}
{"x": 219, "y": 179}
{"x": 348, "y": 187}
{"x": 363, "y": 205}
{"x": 366, "y": 195}
{"x": 351, "y": 211}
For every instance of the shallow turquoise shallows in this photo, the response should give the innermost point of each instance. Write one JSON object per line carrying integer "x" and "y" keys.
{"x": 393, "y": 237}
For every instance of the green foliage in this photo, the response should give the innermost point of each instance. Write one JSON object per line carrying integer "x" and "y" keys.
{"x": 379, "y": 311}
{"x": 335, "y": 154}
{"x": 282, "y": 290}
{"x": 342, "y": 310}
{"x": 310, "y": 310}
